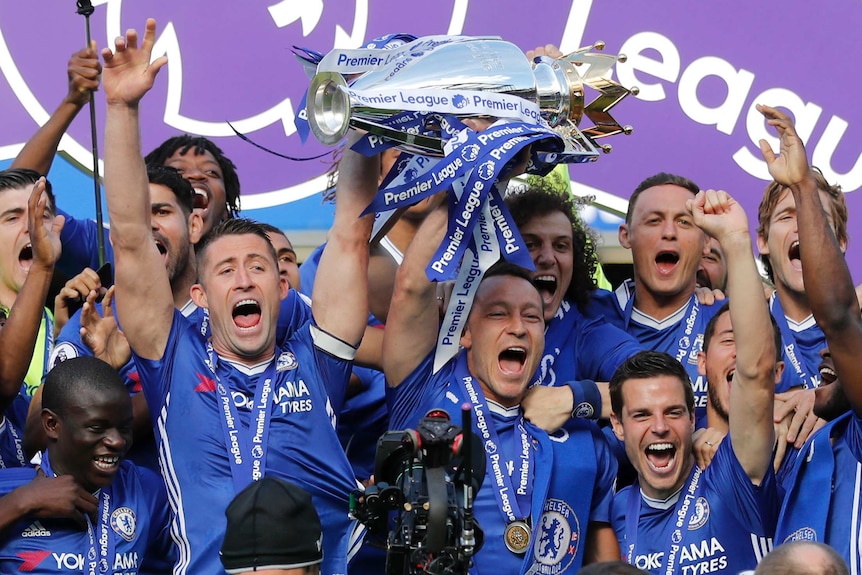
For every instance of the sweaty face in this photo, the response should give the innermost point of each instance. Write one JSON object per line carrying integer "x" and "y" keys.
{"x": 16, "y": 257}
{"x": 92, "y": 437}
{"x": 205, "y": 175}
{"x": 781, "y": 243}
{"x": 504, "y": 338}
{"x": 656, "y": 426}
{"x": 666, "y": 245}
{"x": 242, "y": 288}
{"x": 718, "y": 363}
{"x": 287, "y": 266}
{"x": 549, "y": 239}
{"x": 170, "y": 230}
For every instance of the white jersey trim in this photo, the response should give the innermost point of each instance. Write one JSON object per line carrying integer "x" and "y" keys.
{"x": 495, "y": 407}
{"x": 661, "y": 503}
{"x": 332, "y": 345}
{"x": 806, "y": 323}
{"x": 175, "y": 496}
{"x": 796, "y": 326}
{"x": 189, "y": 308}
{"x": 255, "y": 369}
{"x": 641, "y": 318}
{"x": 854, "y": 523}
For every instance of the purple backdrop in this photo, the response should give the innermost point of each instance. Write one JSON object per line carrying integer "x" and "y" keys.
{"x": 701, "y": 67}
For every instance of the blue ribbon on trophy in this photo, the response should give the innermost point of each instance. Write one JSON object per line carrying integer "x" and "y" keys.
{"x": 412, "y": 97}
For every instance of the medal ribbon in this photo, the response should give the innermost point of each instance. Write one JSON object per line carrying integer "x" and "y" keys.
{"x": 19, "y": 449}
{"x": 481, "y": 254}
{"x": 246, "y": 446}
{"x": 103, "y": 549}
{"x": 689, "y": 331}
{"x": 794, "y": 357}
{"x": 514, "y": 503}
{"x": 682, "y": 513}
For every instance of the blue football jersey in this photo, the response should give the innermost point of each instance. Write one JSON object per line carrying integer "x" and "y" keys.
{"x": 582, "y": 346}
{"x": 680, "y": 335}
{"x": 802, "y": 343}
{"x": 12, "y": 434}
{"x": 302, "y": 445}
{"x": 139, "y": 523}
{"x": 730, "y": 522}
{"x": 81, "y": 245}
{"x": 822, "y": 502}
{"x": 574, "y": 488}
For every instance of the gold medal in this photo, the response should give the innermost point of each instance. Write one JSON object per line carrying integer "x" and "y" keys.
{"x": 517, "y": 537}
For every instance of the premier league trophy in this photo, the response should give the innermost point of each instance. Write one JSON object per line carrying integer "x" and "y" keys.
{"x": 416, "y": 95}
{"x": 464, "y": 76}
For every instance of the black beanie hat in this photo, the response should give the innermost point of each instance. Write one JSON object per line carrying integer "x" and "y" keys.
{"x": 271, "y": 524}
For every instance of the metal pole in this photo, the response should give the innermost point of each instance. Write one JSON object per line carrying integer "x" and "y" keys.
{"x": 85, "y": 8}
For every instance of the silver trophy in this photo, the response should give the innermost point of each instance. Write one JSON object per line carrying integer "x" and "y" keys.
{"x": 555, "y": 87}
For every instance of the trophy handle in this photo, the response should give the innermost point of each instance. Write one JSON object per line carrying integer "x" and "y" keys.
{"x": 328, "y": 106}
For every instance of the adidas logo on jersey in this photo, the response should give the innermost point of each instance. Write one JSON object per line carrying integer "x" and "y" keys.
{"x": 36, "y": 530}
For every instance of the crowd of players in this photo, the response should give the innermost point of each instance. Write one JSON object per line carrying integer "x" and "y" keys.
{"x": 669, "y": 423}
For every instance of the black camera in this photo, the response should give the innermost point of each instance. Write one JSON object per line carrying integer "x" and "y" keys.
{"x": 420, "y": 508}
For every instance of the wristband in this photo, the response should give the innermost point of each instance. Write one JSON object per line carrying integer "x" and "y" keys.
{"x": 586, "y": 399}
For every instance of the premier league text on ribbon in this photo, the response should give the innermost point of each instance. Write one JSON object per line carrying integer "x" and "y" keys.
{"x": 414, "y": 96}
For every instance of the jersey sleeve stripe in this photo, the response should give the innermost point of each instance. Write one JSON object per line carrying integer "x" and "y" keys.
{"x": 332, "y": 345}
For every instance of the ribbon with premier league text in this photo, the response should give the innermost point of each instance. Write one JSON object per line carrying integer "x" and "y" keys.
{"x": 247, "y": 447}
{"x": 493, "y": 153}
{"x": 471, "y": 166}
{"x": 470, "y": 171}
{"x": 514, "y": 502}
{"x": 100, "y": 550}
{"x": 18, "y": 443}
{"x": 683, "y": 510}
{"x": 394, "y": 50}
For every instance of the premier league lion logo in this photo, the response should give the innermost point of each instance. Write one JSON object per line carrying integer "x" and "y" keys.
{"x": 470, "y": 152}
{"x": 486, "y": 170}
{"x": 459, "y": 101}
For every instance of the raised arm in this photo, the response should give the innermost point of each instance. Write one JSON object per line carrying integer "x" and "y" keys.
{"x": 340, "y": 296}
{"x": 18, "y": 336}
{"x": 83, "y": 71}
{"x": 752, "y": 389}
{"x": 145, "y": 303}
{"x": 827, "y": 279}
{"x": 413, "y": 321}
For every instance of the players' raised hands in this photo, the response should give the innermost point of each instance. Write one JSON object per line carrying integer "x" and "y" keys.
{"x": 790, "y": 167}
{"x": 718, "y": 214}
{"x": 84, "y": 71}
{"x": 549, "y": 50}
{"x": 44, "y": 228}
{"x": 128, "y": 73}
{"x": 102, "y": 334}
